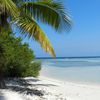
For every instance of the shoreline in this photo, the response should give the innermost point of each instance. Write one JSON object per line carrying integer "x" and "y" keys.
{"x": 69, "y": 81}
{"x": 54, "y": 90}
{"x": 49, "y": 73}
{"x": 75, "y": 91}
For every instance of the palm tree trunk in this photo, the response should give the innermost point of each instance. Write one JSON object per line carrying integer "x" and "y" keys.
{"x": 2, "y": 84}
{"x": 2, "y": 81}
{"x": 2, "y": 66}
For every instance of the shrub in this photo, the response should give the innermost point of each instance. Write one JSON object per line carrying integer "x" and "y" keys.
{"x": 33, "y": 69}
{"x": 16, "y": 57}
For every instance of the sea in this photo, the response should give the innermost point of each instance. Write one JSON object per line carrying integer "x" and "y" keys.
{"x": 73, "y": 69}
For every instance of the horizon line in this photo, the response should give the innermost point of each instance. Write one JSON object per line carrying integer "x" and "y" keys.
{"x": 69, "y": 57}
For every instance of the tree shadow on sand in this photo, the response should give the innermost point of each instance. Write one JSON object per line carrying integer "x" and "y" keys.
{"x": 2, "y": 96}
{"x": 26, "y": 91}
{"x": 24, "y": 84}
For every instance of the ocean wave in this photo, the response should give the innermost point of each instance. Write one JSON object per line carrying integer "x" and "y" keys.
{"x": 74, "y": 60}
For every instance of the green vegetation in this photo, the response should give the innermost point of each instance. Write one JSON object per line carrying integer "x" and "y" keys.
{"x": 16, "y": 59}
{"x": 33, "y": 69}
{"x": 25, "y": 14}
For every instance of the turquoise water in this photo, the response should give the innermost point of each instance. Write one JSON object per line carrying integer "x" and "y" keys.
{"x": 83, "y": 70}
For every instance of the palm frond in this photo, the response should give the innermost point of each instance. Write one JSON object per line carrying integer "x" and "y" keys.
{"x": 49, "y": 12}
{"x": 29, "y": 25}
{"x": 8, "y": 6}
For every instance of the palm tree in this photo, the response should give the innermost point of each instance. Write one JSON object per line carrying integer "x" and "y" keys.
{"x": 25, "y": 14}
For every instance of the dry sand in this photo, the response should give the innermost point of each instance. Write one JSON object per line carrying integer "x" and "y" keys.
{"x": 54, "y": 90}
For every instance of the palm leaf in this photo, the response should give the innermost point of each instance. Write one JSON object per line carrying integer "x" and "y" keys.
{"x": 29, "y": 25}
{"x": 8, "y": 7}
{"x": 49, "y": 12}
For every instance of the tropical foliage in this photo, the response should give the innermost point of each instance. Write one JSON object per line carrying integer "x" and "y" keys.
{"x": 26, "y": 14}
{"x": 16, "y": 58}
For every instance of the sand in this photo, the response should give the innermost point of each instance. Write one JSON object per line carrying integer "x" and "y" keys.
{"x": 54, "y": 90}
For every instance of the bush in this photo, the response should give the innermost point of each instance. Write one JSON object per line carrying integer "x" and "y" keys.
{"x": 33, "y": 69}
{"x": 16, "y": 57}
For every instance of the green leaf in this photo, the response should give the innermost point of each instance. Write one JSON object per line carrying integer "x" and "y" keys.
{"x": 49, "y": 12}
{"x": 8, "y": 6}
{"x": 29, "y": 25}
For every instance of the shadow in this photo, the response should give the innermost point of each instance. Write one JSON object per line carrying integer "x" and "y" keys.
{"x": 22, "y": 86}
{"x": 32, "y": 80}
{"x": 2, "y": 96}
{"x": 26, "y": 91}
{"x": 25, "y": 82}
{"x": 47, "y": 85}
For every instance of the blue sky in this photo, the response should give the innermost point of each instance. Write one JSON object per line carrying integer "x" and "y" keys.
{"x": 83, "y": 39}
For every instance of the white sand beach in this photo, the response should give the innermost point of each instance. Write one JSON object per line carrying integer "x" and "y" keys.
{"x": 53, "y": 90}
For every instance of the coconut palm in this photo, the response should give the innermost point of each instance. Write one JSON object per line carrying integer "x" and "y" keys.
{"x": 25, "y": 14}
